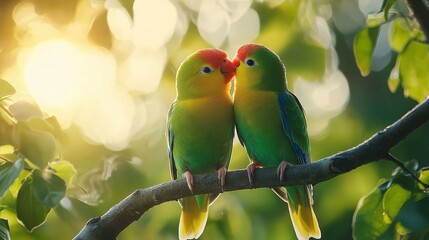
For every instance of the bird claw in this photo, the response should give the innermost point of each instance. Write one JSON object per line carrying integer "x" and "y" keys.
{"x": 189, "y": 180}
{"x": 250, "y": 169}
{"x": 221, "y": 173}
{"x": 281, "y": 169}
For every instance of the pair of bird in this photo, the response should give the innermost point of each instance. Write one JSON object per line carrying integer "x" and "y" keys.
{"x": 270, "y": 125}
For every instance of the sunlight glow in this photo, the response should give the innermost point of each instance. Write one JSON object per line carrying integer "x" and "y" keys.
{"x": 142, "y": 71}
{"x": 61, "y": 75}
{"x": 321, "y": 32}
{"x": 213, "y": 23}
{"x": 120, "y": 23}
{"x": 216, "y": 20}
{"x": 24, "y": 13}
{"x": 100, "y": 89}
{"x": 108, "y": 119}
{"x": 323, "y": 100}
{"x": 154, "y": 23}
{"x": 241, "y": 33}
{"x": 77, "y": 83}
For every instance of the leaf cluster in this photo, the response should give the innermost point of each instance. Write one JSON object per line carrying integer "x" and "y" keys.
{"x": 407, "y": 40}
{"x": 396, "y": 209}
{"x": 33, "y": 179}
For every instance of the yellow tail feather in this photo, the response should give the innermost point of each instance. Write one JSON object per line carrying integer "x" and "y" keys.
{"x": 194, "y": 217}
{"x": 304, "y": 221}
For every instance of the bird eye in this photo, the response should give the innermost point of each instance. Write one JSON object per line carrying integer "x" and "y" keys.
{"x": 206, "y": 70}
{"x": 250, "y": 62}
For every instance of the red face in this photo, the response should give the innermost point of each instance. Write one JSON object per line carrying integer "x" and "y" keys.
{"x": 219, "y": 59}
{"x": 244, "y": 52}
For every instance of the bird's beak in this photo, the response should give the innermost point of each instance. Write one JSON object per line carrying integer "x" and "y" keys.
{"x": 228, "y": 70}
{"x": 236, "y": 62}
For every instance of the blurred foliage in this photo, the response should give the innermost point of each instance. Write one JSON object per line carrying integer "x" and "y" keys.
{"x": 34, "y": 150}
{"x": 4, "y": 229}
{"x": 407, "y": 40}
{"x": 396, "y": 209}
{"x": 69, "y": 178}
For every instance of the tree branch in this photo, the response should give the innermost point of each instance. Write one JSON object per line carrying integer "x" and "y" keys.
{"x": 135, "y": 205}
{"x": 420, "y": 10}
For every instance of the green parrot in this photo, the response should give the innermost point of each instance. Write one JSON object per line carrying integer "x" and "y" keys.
{"x": 200, "y": 130}
{"x": 271, "y": 125}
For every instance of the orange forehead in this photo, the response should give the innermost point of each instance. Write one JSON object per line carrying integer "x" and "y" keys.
{"x": 246, "y": 50}
{"x": 212, "y": 56}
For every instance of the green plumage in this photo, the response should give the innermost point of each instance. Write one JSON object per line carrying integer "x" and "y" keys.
{"x": 271, "y": 126}
{"x": 200, "y": 130}
{"x": 260, "y": 127}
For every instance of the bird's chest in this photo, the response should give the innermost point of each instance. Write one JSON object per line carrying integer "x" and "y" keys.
{"x": 203, "y": 132}
{"x": 203, "y": 119}
{"x": 259, "y": 126}
{"x": 256, "y": 109}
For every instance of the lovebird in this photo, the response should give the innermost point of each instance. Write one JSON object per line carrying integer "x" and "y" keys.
{"x": 200, "y": 130}
{"x": 271, "y": 125}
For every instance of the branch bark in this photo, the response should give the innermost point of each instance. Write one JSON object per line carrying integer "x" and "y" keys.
{"x": 376, "y": 148}
{"x": 420, "y": 10}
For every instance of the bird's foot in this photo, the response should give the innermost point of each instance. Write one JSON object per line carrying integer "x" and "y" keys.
{"x": 189, "y": 180}
{"x": 281, "y": 169}
{"x": 250, "y": 169}
{"x": 221, "y": 173}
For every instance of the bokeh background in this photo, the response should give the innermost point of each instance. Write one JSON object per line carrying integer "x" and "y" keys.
{"x": 106, "y": 68}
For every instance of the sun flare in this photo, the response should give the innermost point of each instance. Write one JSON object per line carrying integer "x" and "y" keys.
{"x": 61, "y": 75}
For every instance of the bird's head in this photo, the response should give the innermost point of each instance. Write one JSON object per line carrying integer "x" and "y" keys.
{"x": 260, "y": 68}
{"x": 206, "y": 73}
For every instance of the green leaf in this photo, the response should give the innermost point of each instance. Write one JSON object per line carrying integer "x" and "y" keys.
{"x": 399, "y": 34}
{"x": 23, "y": 110}
{"x": 363, "y": 47}
{"x": 394, "y": 80}
{"x": 48, "y": 188}
{"x": 6, "y": 89}
{"x": 30, "y": 211}
{"x": 7, "y": 153}
{"x": 16, "y": 186}
{"x": 418, "y": 35}
{"x": 4, "y": 230}
{"x": 128, "y": 5}
{"x": 393, "y": 200}
{"x": 385, "y": 7}
{"x": 39, "y": 124}
{"x": 414, "y": 70}
{"x": 411, "y": 165}
{"x": 401, "y": 229}
{"x": 375, "y": 20}
{"x": 56, "y": 127}
{"x": 414, "y": 215}
{"x": 64, "y": 170}
{"x": 424, "y": 177}
{"x": 38, "y": 146}
{"x": 368, "y": 221}
{"x": 8, "y": 173}
{"x": 5, "y": 114}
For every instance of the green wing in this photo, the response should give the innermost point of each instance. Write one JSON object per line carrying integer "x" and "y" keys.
{"x": 294, "y": 125}
{"x": 170, "y": 137}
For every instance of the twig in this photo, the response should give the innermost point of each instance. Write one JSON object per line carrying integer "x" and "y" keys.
{"x": 420, "y": 10}
{"x": 390, "y": 157}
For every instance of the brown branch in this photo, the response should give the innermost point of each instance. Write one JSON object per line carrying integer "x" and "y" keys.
{"x": 135, "y": 205}
{"x": 420, "y": 10}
